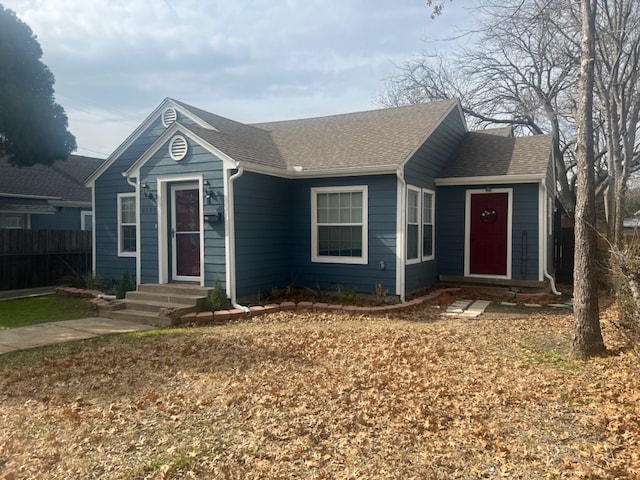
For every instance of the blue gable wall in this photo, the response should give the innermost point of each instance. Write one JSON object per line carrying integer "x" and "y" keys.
{"x": 420, "y": 171}
{"x": 450, "y": 234}
{"x": 108, "y": 264}
{"x": 197, "y": 162}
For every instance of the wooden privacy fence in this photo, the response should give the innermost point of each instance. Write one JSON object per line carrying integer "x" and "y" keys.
{"x": 40, "y": 258}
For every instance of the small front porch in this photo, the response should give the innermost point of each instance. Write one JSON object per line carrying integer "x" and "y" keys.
{"x": 160, "y": 305}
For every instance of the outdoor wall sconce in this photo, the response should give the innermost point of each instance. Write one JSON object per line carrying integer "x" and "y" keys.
{"x": 146, "y": 191}
{"x": 208, "y": 193}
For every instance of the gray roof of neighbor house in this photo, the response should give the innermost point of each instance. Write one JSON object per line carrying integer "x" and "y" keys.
{"x": 492, "y": 152}
{"x": 61, "y": 181}
{"x": 375, "y": 138}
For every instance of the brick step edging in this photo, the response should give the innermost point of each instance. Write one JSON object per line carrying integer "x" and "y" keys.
{"x": 222, "y": 316}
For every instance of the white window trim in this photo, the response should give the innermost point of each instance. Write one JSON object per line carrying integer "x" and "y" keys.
{"x": 83, "y": 219}
{"x": 120, "y": 225}
{"x": 25, "y": 216}
{"x": 426, "y": 258}
{"x": 421, "y": 256}
{"x": 364, "y": 259}
{"x": 417, "y": 259}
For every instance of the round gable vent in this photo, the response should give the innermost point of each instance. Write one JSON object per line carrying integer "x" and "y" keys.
{"x": 178, "y": 147}
{"x": 169, "y": 116}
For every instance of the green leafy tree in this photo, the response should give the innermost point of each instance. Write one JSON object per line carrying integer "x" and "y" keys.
{"x": 33, "y": 127}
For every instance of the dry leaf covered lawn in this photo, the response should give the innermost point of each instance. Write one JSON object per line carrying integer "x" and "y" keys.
{"x": 326, "y": 396}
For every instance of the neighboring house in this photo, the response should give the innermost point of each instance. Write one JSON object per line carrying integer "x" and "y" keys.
{"x": 47, "y": 197}
{"x": 400, "y": 197}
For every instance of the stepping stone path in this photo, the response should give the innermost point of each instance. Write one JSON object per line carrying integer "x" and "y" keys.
{"x": 467, "y": 308}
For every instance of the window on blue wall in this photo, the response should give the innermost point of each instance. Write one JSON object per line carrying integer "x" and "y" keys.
{"x": 413, "y": 224}
{"x": 427, "y": 224}
{"x": 420, "y": 224}
{"x": 126, "y": 224}
{"x": 339, "y": 224}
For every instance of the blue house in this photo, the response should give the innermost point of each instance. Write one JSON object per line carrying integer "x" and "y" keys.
{"x": 47, "y": 197}
{"x": 399, "y": 197}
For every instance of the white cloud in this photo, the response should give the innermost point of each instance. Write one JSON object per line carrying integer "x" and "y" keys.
{"x": 251, "y": 60}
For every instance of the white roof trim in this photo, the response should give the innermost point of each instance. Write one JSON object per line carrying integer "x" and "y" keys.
{"x": 293, "y": 172}
{"x": 35, "y": 197}
{"x": 133, "y": 170}
{"x": 494, "y": 179}
{"x": 69, "y": 203}
{"x": 156, "y": 114}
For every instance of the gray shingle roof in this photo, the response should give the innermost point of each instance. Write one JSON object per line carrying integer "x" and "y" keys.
{"x": 375, "y": 138}
{"x": 63, "y": 180}
{"x": 491, "y": 153}
{"x": 384, "y": 137}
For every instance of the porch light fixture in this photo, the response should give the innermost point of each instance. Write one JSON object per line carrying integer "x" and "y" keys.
{"x": 208, "y": 193}
{"x": 146, "y": 191}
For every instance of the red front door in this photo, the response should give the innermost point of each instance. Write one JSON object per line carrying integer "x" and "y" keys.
{"x": 186, "y": 233}
{"x": 488, "y": 235}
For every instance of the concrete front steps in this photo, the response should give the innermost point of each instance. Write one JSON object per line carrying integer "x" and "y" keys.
{"x": 160, "y": 305}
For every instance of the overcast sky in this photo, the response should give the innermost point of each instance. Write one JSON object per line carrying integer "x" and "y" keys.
{"x": 249, "y": 60}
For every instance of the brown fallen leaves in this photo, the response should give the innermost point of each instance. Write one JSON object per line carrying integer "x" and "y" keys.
{"x": 326, "y": 396}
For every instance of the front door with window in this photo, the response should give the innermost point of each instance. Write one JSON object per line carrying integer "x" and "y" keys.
{"x": 185, "y": 232}
{"x": 489, "y": 218}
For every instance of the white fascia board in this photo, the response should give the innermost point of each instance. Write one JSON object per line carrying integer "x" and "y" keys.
{"x": 320, "y": 173}
{"x": 191, "y": 115}
{"x": 33, "y": 197}
{"x": 69, "y": 203}
{"x": 167, "y": 102}
{"x": 134, "y": 170}
{"x": 455, "y": 106}
{"x": 497, "y": 179}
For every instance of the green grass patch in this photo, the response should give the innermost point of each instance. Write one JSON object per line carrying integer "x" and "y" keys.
{"x": 47, "y": 308}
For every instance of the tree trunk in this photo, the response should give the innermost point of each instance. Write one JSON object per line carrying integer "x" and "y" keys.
{"x": 587, "y": 336}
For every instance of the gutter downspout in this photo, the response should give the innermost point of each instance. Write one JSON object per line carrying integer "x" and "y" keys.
{"x": 545, "y": 243}
{"x": 231, "y": 231}
{"x": 138, "y": 259}
{"x": 400, "y": 238}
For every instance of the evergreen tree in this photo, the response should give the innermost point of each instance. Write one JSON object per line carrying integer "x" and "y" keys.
{"x": 33, "y": 127}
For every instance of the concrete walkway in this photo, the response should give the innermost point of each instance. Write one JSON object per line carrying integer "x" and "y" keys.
{"x": 42, "y": 334}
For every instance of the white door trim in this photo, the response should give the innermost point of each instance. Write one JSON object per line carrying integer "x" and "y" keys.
{"x": 164, "y": 222}
{"x": 467, "y": 231}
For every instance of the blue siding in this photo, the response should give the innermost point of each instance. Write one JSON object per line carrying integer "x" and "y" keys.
{"x": 263, "y": 239}
{"x": 198, "y": 161}
{"x": 68, "y": 218}
{"x": 425, "y": 165}
{"x": 382, "y": 238}
{"x": 450, "y": 207}
{"x": 525, "y": 232}
{"x": 450, "y": 215}
{"x": 108, "y": 264}
{"x": 420, "y": 171}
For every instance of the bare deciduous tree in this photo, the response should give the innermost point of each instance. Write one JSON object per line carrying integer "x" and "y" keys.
{"x": 587, "y": 336}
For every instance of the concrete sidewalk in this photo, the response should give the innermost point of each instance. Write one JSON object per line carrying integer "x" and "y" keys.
{"x": 51, "y": 333}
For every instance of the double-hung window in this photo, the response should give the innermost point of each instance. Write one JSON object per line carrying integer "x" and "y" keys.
{"x": 126, "y": 224}
{"x": 413, "y": 224}
{"x": 339, "y": 224}
{"x": 420, "y": 224}
{"x": 427, "y": 224}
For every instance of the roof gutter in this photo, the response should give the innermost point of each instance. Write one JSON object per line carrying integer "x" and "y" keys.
{"x": 231, "y": 246}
